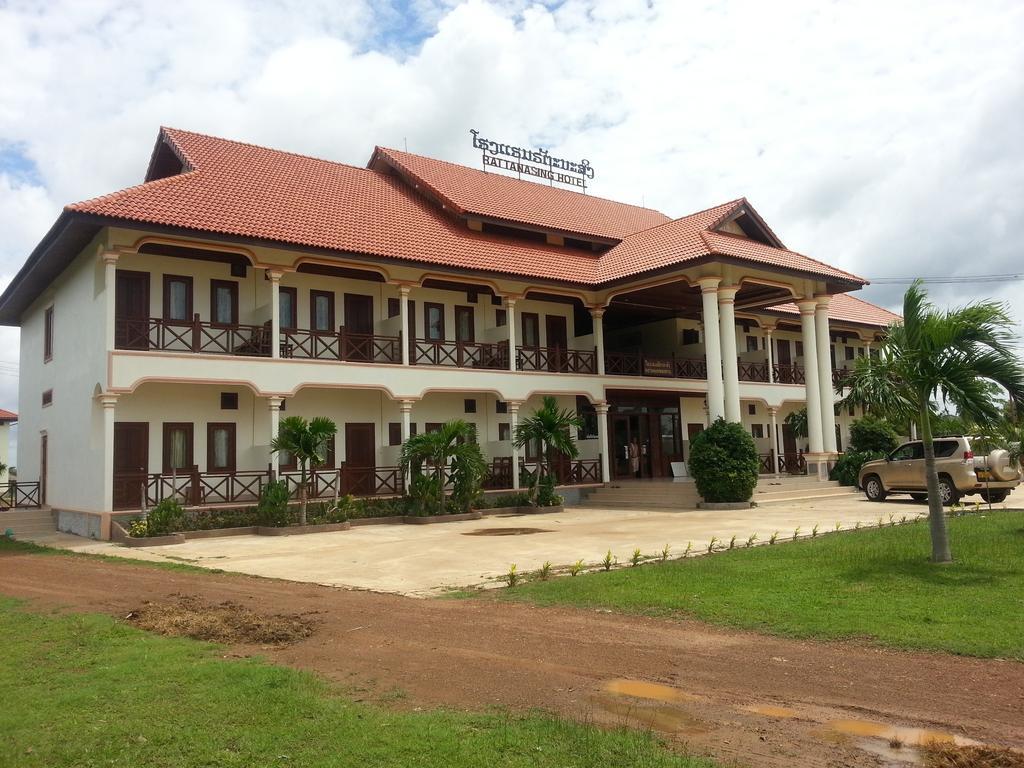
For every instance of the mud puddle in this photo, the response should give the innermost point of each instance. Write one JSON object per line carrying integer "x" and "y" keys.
{"x": 506, "y": 531}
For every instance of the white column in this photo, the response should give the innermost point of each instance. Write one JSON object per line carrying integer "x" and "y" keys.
{"x": 602, "y": 440}
{"x": 769, "y": 344}
{"x": 274, "y": 404}
{"x": 109, "y": 404}
{"x": 598, "y": 314}
{"x": 275, "y": 314}
{"x": 403, "y": 314}
{"x": 813, "y": 396}
{"x": 110, "y": 296}
{"x": 513, "y": 411}
{"x": 712, "y": 346}
{"x": 510, "y": 320}
{"x": 730, "y": 362}
{"x": 774, "y": 412}
{"x": 827, "y": 391}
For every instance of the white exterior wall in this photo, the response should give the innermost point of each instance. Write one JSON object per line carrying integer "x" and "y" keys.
{"x": 73, "y": 422}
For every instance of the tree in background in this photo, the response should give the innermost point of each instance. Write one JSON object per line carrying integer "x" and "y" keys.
{"x": 306, "y": 442}
{"x": 871, "y": 438}
{"x": 955, "y": 357}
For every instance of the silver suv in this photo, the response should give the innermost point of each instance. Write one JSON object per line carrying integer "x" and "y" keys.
{"x": 961, "y": 473}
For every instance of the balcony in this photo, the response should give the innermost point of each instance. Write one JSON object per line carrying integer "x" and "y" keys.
{"x": 638, "y": 364}
{"x": 342, "y": 346}
{"x": 459, "y": 354}
{"x": 197, "y": 337}
{"x": 556, "y": 360}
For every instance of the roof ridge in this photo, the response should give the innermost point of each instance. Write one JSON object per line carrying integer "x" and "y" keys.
{"x": 133, "y": 188}
{"x": 524, "y": 181}
{"x": 264, "y": 148}
{"x": 676, "y": 220}
{"x": 787, "y": 250}
{"x": 872, "y": 304}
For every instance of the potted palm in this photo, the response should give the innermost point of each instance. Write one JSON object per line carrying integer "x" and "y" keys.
{"x": 551, "y": 427}
{"x": 306, "y": 442}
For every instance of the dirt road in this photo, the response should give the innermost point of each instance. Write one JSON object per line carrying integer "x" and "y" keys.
{"x": 757, "y": 700}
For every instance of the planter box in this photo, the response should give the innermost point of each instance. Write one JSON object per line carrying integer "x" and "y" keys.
{"x": 541, "y": 510}
{"x": 292, "y": 530}
{"x": 429, "y": 519}
{"x": 216, "y": 533}
{"x": 154, "y": 541}
{"x": 388, "y": 520}
{"x": 725, "y": 505}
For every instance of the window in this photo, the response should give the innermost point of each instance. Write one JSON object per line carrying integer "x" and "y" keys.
{"x": 504, "y": 431}
{"x": 874, "y": 354}
{"x": 177, "y": 447}
{"x": 691, "y": 336}
{"x": 288, "y": 301}
{"x": 469, "y": 405}
{"x": 908, "y": 452}
{"x": 848, "y": 351}
{"x": 229, "y": 401}
{"x": 220, "y": 447}
{"x": 752, "y": 344}
{"x": 798, "y": 347}
{"x": 860, "y": 351}
{"x": 432, "y": 426}
{"x": 412, "y": 429}
{"x": 433, "y": 321}
{"x": 177, "y": 298}
{"x": 752, "y": 409}
{"x": 500, "y": 318}
{"x": 588, "y": 413}
{"x": 531, "y": 329}
{"x": 328, "y": 462}
{"x": 48, "y": 335}
{"x": 224, "y": 302}
{"x": 395, "y": 433}
{"x": 465, "y": 324}
{"x": 757, "y": 431}
{"x": 501, "y": 407}
{"x": 394, "y": 308}
{"x": 943, "y": 448}
{"x": 47, "y": 397}
{"x": 321, "y": 311}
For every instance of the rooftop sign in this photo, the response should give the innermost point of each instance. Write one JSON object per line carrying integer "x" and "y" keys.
{"x": 533, "y": 162}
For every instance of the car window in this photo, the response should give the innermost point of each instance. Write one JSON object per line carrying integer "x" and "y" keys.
{"x": 944, "y": 448}
{"x": 907, "y": 452}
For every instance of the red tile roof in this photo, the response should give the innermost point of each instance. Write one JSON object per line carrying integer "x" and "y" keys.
{"x": 843, "y": 306}
{"x": 248, "y": 191}
{"x": 493, "y": 195}
{"x": 6, "y": 416}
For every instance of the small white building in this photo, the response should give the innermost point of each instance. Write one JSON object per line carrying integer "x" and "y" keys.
{"x": 165, "y": 327}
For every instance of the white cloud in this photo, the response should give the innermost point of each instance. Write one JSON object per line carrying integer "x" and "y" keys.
{"x": 880, "y": 137}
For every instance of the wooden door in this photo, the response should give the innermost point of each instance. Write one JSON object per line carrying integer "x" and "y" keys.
{"x": 358, "y": 325}
{"x": 692, "y": 430}
{"x": 558, "y": 341}
{"x": 360, "y": 459}
{"x": 131, "y": 310}
{"x": 131, "y": 463}
{"x": 44, "y": 460}
{"x": 621, "y": 438}
{"x": 784, "y": 355}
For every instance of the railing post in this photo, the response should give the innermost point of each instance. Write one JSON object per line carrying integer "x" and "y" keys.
{"x": 194, "y": 494}
{"x": 196, "y": 333}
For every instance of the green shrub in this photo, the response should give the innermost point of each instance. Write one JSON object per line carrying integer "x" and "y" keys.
{"x": 216, "y": 519}
{"x": 546, "y": 496}
{"x": 166, "y": 517}
{"x": 521, "y": 499}
{"x": 396, "y": 507}
{"x": 424, "y": 493}
{"x": 871, "y": 434}
{"x": 272, "y": 509}
{"x": 848, "y": 466}
{"x": 325, "y": 512}
{"x": 723, "y": 462}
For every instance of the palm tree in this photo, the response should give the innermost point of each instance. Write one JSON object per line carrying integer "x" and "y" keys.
{"x": 453, "y": 444}
{"x": 306, "y": 442}
{"x": 552, "y": 427}
{"x": 946, "y": 357}
{"x": 797, "y": 422}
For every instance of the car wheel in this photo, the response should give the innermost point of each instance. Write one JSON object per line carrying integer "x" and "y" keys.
{"x": 919, "y": 496}
{"x": 995, "y": 497}
{"x": 874, "y": 489}
{"x": 948, "y": 492}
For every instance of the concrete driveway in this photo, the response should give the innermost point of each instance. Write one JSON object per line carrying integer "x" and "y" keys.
{"x": 428, "y": 559}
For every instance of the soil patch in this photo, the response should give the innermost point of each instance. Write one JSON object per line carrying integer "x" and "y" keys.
{"x": 225, "y": 622}
{"x": 475, "y": 654}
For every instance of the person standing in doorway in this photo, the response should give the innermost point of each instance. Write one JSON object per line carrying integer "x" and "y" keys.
{"x": 634, "y": 457}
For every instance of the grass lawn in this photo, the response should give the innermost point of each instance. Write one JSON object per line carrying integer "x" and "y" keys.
{"x": 85, "y": 690}
{"x": 875, "y": 583}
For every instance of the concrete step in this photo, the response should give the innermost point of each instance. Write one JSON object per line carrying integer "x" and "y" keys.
{"x": 808, "y": 497}
{"x": 27, "y": 522}
{"x": 783, "y": 493}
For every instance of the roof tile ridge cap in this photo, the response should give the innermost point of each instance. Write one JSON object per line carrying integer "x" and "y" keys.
{"x": 387, "y": 153}
{"x": 531, "y": 183}
{"x": 870, "y": 304}
{"x": 673, "y": 221}
{"x": 187, "y": 176}
{"x": 167, "y": 133}
{"x": 731, "y": 236}
{"x": 730, "y": 208}
{"x": 265, "y": 148}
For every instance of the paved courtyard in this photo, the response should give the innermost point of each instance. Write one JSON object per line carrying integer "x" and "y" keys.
{"x": 428, "y": 559}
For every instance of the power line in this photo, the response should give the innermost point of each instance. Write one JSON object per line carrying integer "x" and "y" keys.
{"x": 950, "y": 280}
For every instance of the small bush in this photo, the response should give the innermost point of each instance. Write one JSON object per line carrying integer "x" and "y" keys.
{"x": 848, "y": 466}
{"x": 874, "y": 435}
{"x": 363, "y": 508}
{"x": 272, "y": 509}
{"x": 166, "y": 517}
{"x": 723, "y": 460}
{"x": 329, "y": 512}
{"x": 546, "y": 496}
{"x": 505, "y": 500}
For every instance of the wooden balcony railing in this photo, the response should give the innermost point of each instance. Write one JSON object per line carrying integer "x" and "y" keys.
{"x": 19, "y": 494}
{"x": 638, "y": 364}
{"x": 343, "y": 345}
{"x": 753, "y": 371}
{"x": 793, "y": 463}
{"x": 459, "y": 354}
{"x": 788, "y": 374}
{"x": 556, "y": 359}
{"x": 575, "y": 472}
{"x": 766, "y": 463}
{"x": 840, "y": 376}
{"x": 198, "y": 336}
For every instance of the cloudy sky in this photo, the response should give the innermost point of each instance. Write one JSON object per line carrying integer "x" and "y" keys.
{"x": 882, "y": 137}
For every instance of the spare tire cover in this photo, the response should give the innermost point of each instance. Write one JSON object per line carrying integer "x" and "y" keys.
{"x": 1000, "y": 467}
